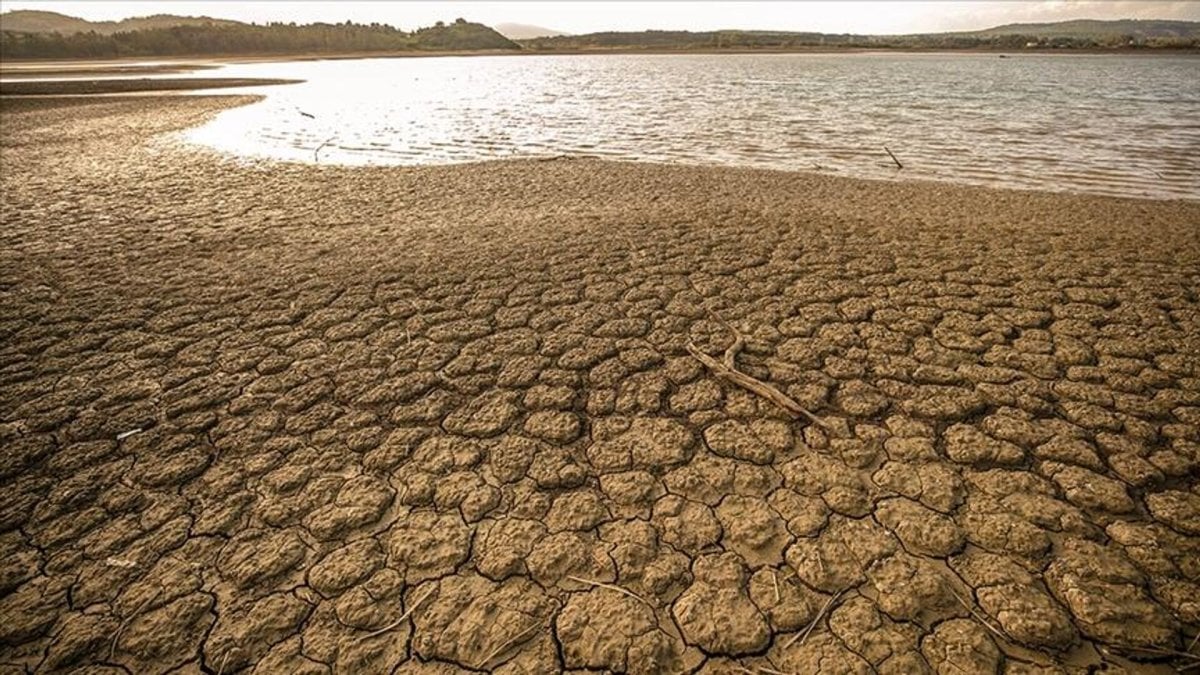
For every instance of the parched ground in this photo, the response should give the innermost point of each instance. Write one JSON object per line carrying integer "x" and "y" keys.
{"x": 290, "y": 419}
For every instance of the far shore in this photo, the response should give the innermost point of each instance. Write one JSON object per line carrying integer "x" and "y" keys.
{"x": 196, "y": 61}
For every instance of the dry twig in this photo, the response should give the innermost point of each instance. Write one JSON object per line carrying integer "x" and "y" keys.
{"x": 755, "y": 386}
{"x": 979, "y": 617}
{"x": 889, "y": 152}
{"x": 403, "y": 617}
{"x": 507, "y": 644}
{"x": 817, "y": 619}
{"x": 317, "y": 151}
{"x": 611, "y": 587}
{"x": 727, "y": 369}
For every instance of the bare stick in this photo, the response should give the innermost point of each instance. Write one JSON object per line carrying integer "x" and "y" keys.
{"x": 889, "y": 152}
{"x": 987, "y": 624}
{"x": 403, "y": 616}
{"x": 770, "y": 671}
{"x": 756, "y": 386}
{"x": 1160, "y": 652}
{"x": 509, "y": 643}
{"x": 775, "y": 581}
{"x": 316, "y": 152}
{"x": 611, "y": 587}
{"x": 804, "y": 636}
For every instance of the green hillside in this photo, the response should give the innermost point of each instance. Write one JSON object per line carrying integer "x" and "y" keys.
{"x": 1100, "y": 29}
{"x": 233, "y": 38}
{"x": 34, "y": 21}
{"x": 1063, "y": 35}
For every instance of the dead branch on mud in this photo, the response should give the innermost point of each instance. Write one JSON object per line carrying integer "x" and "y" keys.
{"x": 727, "y": 370}
{"x": 403, "y": 616}
{"x": 889, "y": 152}
{"x": 611, "y": 587}
{"x": 512, "y": 642}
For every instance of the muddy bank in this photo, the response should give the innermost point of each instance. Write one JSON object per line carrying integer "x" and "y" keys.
{"x": 123, "y": 86}
{"x": 78, "y": 69}
{"x": 288, "y": 417}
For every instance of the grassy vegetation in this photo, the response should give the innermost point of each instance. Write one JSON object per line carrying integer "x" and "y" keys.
{"x": 1064, "y": 35}
{"x": 239, "y": 38}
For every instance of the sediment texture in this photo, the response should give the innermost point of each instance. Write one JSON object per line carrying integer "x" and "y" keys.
{"x": 277, "y": 418}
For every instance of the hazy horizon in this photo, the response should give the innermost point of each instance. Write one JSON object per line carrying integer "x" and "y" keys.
{"x": 860, "y": 16}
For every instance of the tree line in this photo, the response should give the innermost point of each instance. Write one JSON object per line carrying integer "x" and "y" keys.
{"x": 273, "y": 38}
{"x": 737, "y": 39}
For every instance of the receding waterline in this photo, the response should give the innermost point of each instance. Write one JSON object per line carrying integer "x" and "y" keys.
{"x": 1116, "y": 125}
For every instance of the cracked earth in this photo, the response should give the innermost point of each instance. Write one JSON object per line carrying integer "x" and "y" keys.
{"x": 297, "y": 419}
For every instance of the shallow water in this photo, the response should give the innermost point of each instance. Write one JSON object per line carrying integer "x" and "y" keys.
{"x": 1106, "y": 124}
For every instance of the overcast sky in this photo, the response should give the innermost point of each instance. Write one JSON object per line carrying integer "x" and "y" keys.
{"x": 864, "y": 16}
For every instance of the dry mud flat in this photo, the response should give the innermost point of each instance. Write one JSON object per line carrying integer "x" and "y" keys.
{"x": 444, "y": 419}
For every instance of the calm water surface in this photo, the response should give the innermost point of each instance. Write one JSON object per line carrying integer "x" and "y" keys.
{"x": 1106, "y": 124}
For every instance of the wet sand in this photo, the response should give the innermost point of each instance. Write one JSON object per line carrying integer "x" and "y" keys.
{"x": 85, "y": 69}
{"x": 125, "y": 86}
{"x": 287, "y": 418}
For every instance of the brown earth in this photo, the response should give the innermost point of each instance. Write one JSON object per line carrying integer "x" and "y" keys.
{"x": 123, "y": 86}
{"x": 285, "y": 418}
{"x": 84, "y": 69}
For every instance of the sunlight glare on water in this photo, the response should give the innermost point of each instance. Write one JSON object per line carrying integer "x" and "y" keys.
{"x": 1105, "y": 124}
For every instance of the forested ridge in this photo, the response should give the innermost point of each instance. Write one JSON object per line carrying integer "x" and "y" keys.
{"x": 47, "y": 35}
{"x": 238, "y": 38}
{"x": 1063, "y": 35}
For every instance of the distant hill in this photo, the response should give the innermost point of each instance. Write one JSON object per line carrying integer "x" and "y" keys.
{"x": 1094, "y": 28}
{"x": 1083, "y": 34}
{"x": 234, "y": 38}
{"x": 34, "y": 21}
{"x": 524, "y": 31}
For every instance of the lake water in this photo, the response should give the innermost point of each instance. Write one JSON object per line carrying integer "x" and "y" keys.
{"x": 1106, "y": 124}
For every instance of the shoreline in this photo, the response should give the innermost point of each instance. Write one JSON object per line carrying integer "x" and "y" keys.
{"x": 83, "y": 87}
{"x": 311, "y": 56}
{"x": 447, "y": 417}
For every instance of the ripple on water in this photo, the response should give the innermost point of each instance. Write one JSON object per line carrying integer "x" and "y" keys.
{"x": 1117, "y": 125}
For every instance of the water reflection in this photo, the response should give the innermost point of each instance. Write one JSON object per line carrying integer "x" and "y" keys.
{"x": 1111, "y": 124}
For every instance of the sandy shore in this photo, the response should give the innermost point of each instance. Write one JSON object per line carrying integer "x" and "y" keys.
{"x": 286, "y": 418}
{"x": 125, "y": 86}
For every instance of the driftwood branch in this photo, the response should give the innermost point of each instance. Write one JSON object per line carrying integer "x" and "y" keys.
{"x": 317, "y": 151}
{"x": 611, "y": 587}
{"x": 727, "y": 370}
{"x": 510, "y": 643}
{"x": 403, "y": 617}
{"x": 889, "y": 152}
